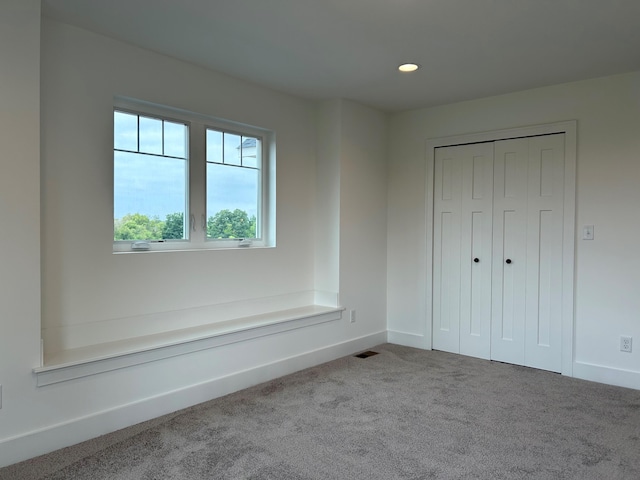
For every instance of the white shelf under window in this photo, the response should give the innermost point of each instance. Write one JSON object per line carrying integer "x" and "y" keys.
{"x": 95, "y": 359}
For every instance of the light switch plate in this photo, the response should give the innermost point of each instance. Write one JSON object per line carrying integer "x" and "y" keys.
{"x": 587, "y": 232}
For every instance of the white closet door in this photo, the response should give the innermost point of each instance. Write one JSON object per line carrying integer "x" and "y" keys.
{"x": 509, "y": 250}
{"x": 543, "y": 332}
{"x": 475, "y": 257}
{"x": 498, "y": 227}
{"x": 527, "y": 274}
{"x": 463, "y": 193}
{"x": 446, "y": 250}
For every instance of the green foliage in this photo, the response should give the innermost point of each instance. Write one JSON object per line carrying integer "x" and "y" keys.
{"x": 228, "y": 224}
{"x": 174, "y": 226}
{"x": 224, "y": 224}
{"x": 135, "y": 226}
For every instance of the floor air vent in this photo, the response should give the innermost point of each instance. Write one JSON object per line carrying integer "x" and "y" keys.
{"x": 366, "y": 354}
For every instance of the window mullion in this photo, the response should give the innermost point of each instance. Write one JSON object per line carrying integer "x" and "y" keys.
{"x": 197, "y": 181}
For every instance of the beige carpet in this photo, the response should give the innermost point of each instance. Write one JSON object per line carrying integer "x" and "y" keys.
{"x": 402, "y": 414}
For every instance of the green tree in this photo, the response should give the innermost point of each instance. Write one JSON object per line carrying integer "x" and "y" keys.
{"x": 135, "y": 226}
{"x": 174, "y": 226}
{"x": 231, "y": 224}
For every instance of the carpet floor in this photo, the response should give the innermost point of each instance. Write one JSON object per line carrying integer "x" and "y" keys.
{"x": 402, "y": 414}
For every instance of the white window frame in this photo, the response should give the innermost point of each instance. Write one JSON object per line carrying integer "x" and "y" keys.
{"x": 196, "y": 215}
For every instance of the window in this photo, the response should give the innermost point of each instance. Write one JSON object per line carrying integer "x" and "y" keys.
{"x": 150, "y": 170}
{"x": 187, "y": 181}
{"x": 233, "y": 184}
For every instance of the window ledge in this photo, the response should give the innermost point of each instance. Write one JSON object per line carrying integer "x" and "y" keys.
{"x": 95, "y": 359}
{"x": 124, "y": 247}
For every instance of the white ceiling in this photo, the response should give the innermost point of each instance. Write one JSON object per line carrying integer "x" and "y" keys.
{"x": 351, "y": 48}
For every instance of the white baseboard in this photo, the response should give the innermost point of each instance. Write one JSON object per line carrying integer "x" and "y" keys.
{"x": 32, "y": 444}
{"x": 608, "y": 375}
{"x": 407, "y": 339}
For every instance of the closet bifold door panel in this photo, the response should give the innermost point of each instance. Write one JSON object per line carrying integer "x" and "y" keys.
{"x": 463, "y": 197}
{"x": 545, "y": 222}
{"x": 527, "y": 250}
{"x": 497, "y": 250}
{"x": 509, "y": 250}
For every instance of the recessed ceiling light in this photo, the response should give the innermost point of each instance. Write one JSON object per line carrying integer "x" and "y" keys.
{"x": 408, "y": 67}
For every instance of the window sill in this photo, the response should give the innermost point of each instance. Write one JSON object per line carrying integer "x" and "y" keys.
{"x": 95, "y": 359}
{"x": 186, "y": 246}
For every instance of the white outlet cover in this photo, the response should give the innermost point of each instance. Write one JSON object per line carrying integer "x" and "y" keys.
{"x": 626, "y": 344}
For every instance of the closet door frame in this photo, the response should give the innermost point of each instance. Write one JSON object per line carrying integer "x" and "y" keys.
{"x": 569, "y": 128}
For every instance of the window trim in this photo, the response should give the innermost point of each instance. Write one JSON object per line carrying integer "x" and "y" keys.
{"x": 196, "y": 215}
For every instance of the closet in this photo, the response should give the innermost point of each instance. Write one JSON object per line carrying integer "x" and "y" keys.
{"x": 497, "y": 250}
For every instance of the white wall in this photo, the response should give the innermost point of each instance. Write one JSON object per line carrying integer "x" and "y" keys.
{"x": 363, "y": 210}
{"x": 327, "y": 231}
{"x": 352, "y": 203}
{"x": 19, "y": 206}
{"x": 84, "y": 283}
{"x": 608, "y": 168}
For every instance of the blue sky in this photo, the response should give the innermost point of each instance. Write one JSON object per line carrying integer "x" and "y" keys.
{"x": 156, "y": 186}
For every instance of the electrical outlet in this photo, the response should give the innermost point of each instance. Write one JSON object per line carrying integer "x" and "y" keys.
{"x": 352, "y": 316}
{"x": 626, "y": 344}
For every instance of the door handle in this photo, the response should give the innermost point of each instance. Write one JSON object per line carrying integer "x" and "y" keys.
{"x": 508, "y": 261}
{"x": 476, "y": 260}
